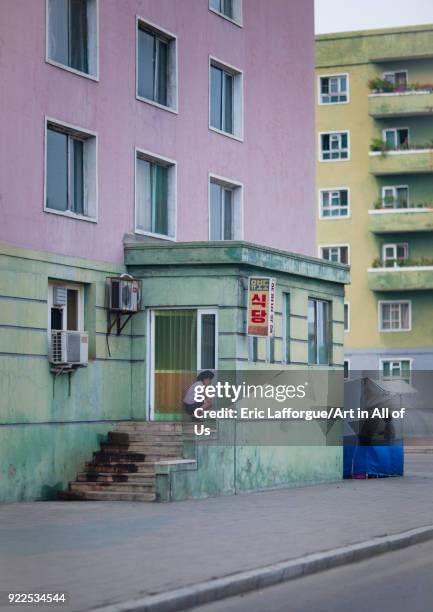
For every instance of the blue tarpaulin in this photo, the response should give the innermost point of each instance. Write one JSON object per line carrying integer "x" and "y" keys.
{"x": 382, "y": 460}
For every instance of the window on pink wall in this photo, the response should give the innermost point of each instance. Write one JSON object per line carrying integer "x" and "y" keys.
{"x": 70, "y": 173}
{"x": 72, "y": 35}
{"x": 156, "y": 66}
{"x": 230, "y": 9}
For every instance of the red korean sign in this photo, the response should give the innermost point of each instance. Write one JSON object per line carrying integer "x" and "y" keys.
{"x": 261, "y": 306}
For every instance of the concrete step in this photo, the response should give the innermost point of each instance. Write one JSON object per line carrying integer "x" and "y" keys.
{"x": 119, "y": 477}
{"x": 122, "y": 468}
{"x": 120, "y": 437}
{"x": 145, "y": 449}
{"x": 122, "y": 487}
{"x": 123, "y": 457}
{"x": 151, "y": 426}
{"x": 106, "y": 496}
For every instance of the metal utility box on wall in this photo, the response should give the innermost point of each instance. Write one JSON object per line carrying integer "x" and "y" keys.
{"x": 123, "y": 298}
{"x": 69, "y": 348}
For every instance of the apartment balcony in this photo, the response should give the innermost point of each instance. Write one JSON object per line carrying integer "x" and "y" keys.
{"x": 402, "y": 161}
{"x": 394, "y": 220}
{"x": 400, "y": 104}
{"x": 414, "y": 278}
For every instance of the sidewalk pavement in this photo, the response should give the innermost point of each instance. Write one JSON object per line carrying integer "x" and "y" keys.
{"x": 103, "y": 553}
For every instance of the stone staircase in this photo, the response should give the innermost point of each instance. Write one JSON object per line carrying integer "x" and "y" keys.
{"x": 124, "y": 467}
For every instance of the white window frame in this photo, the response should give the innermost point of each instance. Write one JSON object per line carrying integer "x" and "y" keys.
{"x": 93, "y": 54}
{"x": 394, "y": 194}
{"x": 172, "y": 61}
{"x": 150, "y": 346}
{"x": 338, "y": 133}
{"x": 238, "y": 98}
{"x": 346, "y": 329}
{"x": 395, "y": 130}
{"x": 380, "y": 321}
{"x": 332, "y": 191}
{"x": 329, "y": 331}
{"x": 394, "y": 246}
{"x": 333, "y": 76}
{"x": 200, "y": 313}
{"x": 237, "y": 189}
{"x": 237, "y": 13}
{"x": 287, "y": 297}
{"x": 91, "y": 179}
{"x": 80, "y": 306}
{"x": 394, "y": 72}
{"x": 171, "y": 192}
{"x": 334, "y": 246}
{"x": 391, "y": 360}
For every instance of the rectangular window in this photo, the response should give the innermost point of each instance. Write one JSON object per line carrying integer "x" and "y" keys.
{"x": 335, "y": 253}
{"x": 72, "y": 32}
{"x": 225, "y": 7}
{"x": 156, "y": 66}
{"x": 334, "y": 146}
{"x": 230, "y": 9}
{"x": 334, "y": 89}
{"x": 394, "y": 316}
{"x": 318, "y": 332}
{"x": 394, "y": 254}
{"x": 346, "y": 369}
{"x": 270, "y": 350}
{"x": 225, "y": 210}
{"x": 70, "y": 171}
{"x": 253, "y": 349}
{"x": 346, "y": 317}
{"x": 396, "y": 138}
{"x": 395, "y": 196}
{"x": 334, "y": 203}
{"x": 221, "y": 100}
{"x": 396, "y": 369}
{"x": 66, "y": 304}
{"x": 398, "y": 79}
{"x": 155, "y": 196}
{"x": 286, "y": 327}
{"x": 207, "y": 339}
{"x": 225, "y": 99}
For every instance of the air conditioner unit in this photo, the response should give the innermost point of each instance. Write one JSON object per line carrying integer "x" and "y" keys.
{"x": 124, "y": 294}
{"x": 69, "y": 348}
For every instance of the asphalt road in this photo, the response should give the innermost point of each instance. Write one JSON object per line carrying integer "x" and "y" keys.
{"x": 399, "y": 582}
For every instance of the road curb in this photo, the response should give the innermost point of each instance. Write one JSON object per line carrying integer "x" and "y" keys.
{"x": 251, "y": 580}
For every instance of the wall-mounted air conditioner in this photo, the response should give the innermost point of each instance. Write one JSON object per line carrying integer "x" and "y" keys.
{"x": 69, "y": 348}
{"x": 124, "y": 294}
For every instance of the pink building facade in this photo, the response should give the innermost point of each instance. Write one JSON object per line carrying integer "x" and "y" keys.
{"x": 171, "y": 140}
{"x": 268, "y": 45}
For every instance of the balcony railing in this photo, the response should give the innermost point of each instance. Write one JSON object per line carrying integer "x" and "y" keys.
{"x": 409, "y": 160}
{"x": 410, "y": 278}
{"x": 401, "y": 104}
{"x": 394, "y": 220}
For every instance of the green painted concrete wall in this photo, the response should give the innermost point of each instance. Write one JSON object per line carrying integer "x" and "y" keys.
{"x": 400, "y": 279}
{"x": 233, "y": 468}
{"x": 398, "y": 105}
{"x": 49, "y": 426}
{"x": 412, "y": 222}
{"x": 404, "y": 162}
{"x": 217, "y": 277}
